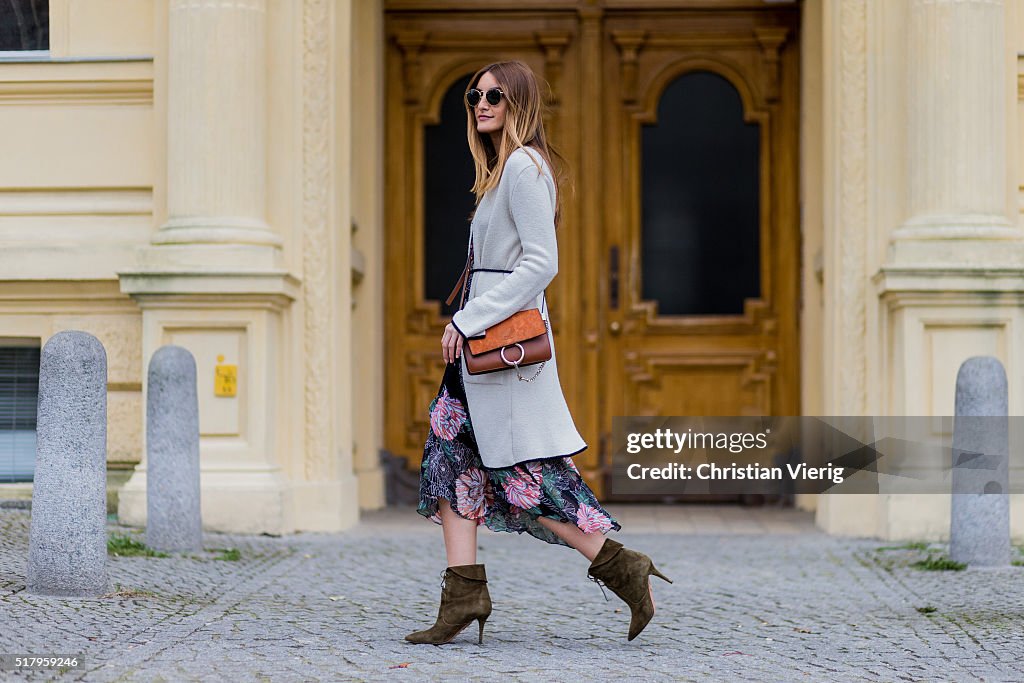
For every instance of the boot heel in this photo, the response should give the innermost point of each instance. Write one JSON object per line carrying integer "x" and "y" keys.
{"x": 654, "y": 570}
{"x": 481, "y": 620}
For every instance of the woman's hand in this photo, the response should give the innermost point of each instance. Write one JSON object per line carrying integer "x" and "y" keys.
{"x": 451, "y": 344}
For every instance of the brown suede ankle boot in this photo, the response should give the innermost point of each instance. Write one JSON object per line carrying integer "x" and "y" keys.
{"x": 464, "y": 597}
{"x": 627, "y": 572}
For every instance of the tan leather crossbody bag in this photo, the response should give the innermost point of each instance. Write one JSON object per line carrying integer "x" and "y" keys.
{"x": 517, "y": 341}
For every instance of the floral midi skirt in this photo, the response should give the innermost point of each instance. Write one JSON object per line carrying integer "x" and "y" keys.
{"x": 505, "y": 498}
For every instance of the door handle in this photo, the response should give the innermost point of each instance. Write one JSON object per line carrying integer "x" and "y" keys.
{"x": 615, "y": 327}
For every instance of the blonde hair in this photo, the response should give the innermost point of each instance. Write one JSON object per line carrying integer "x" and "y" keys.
{"x": 524, "y": 127}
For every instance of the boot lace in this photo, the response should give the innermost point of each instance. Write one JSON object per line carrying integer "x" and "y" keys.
{"x": 600, "y": 584}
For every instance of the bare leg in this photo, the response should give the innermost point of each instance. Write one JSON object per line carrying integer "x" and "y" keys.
{"x": 588, "y": 544}
{"x": 459, "y": 535}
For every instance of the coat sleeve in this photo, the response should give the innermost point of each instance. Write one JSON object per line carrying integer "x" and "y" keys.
{"x": 530, "y": 203}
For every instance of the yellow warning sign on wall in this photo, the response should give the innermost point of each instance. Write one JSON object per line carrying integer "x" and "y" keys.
{"x": 225, "y": 378}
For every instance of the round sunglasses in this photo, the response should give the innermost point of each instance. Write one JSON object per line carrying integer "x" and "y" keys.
{"x": 493, "y": 95}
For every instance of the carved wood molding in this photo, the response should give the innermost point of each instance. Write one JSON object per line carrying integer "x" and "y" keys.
{"x": 420, "y": 383}
{"x": 757, "y": 318}
{"x": 416, "y": 45}
{"x": 647, "y": 372}
{"x": 411, "y": 44}
{"x": 423, "y": 319}
{"x": 704, "y": 41}
{"x": 759, "y": 371}
{"x": 771, "y": 39}
{"x": 553, "y": 44}
{"x": 629, "y": 42}
{"x": 693, "y": 48}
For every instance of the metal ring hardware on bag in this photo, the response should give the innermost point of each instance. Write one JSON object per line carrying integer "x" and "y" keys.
{"x": 522, "y": 354}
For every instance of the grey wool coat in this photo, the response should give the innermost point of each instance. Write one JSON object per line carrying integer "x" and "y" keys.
{"x": 514, "y": 229}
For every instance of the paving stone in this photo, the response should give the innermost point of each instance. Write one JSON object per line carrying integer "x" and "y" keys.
{"x": 799, "y": 605}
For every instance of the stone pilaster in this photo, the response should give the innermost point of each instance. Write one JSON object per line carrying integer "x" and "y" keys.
{"x": 956, "y": 135}
{"x": 952, "y": 283}
{"x": 217, "y": 124}
{"x": 212, "y": 279}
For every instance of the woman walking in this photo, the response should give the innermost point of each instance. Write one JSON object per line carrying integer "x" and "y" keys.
{"x": 499, "y": 451}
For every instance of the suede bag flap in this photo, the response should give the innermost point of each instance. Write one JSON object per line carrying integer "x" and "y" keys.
{"x": 518, "y": 327}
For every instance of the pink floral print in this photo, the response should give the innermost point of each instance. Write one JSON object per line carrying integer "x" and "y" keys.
{"x": 473, "y": 494}
{"x": 447, "y": 415}
{"x": 522, "y": 491}
{"x": 590, "y": 519}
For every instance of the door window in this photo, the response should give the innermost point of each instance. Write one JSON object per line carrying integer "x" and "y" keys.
{"x": 448, "y": 176}
{"x": 700, "y": 210}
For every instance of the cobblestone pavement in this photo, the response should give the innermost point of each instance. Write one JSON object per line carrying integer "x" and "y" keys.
{"x": 759, "y": 594}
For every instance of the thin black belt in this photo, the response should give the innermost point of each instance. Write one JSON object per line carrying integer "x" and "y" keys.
{"x": 462, "y": 278}
{"x": 499, "y": 270}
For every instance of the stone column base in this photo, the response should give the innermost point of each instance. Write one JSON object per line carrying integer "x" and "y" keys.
{"x": 326, "y": 506}
{"x": 256, "y": 502}
{"x": 250, "y": 502}
{"x": 899, "y": 517}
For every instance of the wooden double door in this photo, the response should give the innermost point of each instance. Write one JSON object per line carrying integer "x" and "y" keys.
{"x": 678, "y": 290}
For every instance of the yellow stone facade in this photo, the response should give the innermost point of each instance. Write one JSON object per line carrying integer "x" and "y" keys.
{"x": 163, "y": 189}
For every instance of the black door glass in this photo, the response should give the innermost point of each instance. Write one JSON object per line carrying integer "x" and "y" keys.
{"x": 448, "y": 175}
{"x": 700, "y": 200}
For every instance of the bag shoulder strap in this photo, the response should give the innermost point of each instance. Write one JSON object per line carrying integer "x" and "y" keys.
{"x": 458, "y": 285}
{"x": 498, "y": 270}
{"x": 462, "y": 279}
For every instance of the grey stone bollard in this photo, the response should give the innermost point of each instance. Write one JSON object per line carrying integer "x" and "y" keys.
{"x": 173, "y": 519}
{"x": 67, "y": 552}
{"x": 980, "y": 517}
